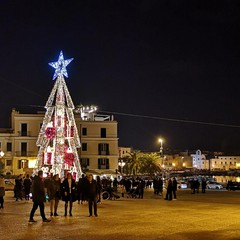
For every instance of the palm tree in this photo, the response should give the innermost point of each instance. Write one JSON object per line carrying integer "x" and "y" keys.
{"x": 150, "y": 164}
{"x": 133, "y": 163}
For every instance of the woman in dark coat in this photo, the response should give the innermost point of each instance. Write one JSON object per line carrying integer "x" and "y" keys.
{"x": 27, "y": 182}
{"x": 54, "y": 194}
{"x": 68, "y": 190}
{"x": 18, "y": 188}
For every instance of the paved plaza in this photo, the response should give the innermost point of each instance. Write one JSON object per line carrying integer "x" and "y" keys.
{"x": 214, "y": 215}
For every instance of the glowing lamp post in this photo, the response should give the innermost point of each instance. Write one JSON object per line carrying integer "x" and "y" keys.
{"x": 161, "y": 147}
{"x": 160, "y": 140}
{"x": 1, "y": 162}
{"x": 121, "y": 164}
{"x": 1, "y": 154}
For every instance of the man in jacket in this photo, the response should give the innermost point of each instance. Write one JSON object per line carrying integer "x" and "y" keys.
{"x": 174, "y": 188}
{"x": 91, "y": 189}
{"x": 38, "y": 196}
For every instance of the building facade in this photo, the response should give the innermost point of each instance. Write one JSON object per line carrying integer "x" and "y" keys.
{"x": 199, "y": 161}
{"x": 225, "y": 163}
{"x": 98, "y": 136}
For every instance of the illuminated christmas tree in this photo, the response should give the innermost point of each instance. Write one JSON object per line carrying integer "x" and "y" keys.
{"x": 58, "y": 139}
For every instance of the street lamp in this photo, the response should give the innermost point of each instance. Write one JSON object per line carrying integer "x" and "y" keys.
{"x": 121, "y": 164}
{"x": 2, "y": 162}
{"x": 1, "y": 154}
{"x": 161, "y": 146}
{"x": 160, "y": 140}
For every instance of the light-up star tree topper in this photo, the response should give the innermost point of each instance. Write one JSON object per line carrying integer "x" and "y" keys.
{"x": 58, "y": 138}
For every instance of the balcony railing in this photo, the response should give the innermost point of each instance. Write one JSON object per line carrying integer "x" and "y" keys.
{"x": 24, "y": 133}
{"x": 103, "y": 166}
{"x": 25, "y": 154}
{"x": 101, "y": 152}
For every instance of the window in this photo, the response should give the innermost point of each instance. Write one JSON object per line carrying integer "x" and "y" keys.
{"x": 103, "y": 149}
{"x": 19, "y": 164}
{"x": 84, "y": 162}
{"x": 103, "y": 133}
{"x": 9, "y": 147}
{"x": 23, "y": 163}
{"x": 103, "y": 163}
{"x": 0, "y": 145}
{"x": 8, "y": 162}
{"x": 84, "y": 146}
{"x": 23, "y": 149}
{"x": 84, "y": 131}
{"x": 24, "y": 129}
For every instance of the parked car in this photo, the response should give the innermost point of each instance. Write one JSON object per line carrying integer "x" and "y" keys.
{"x": 232, "y": 186}
{"x": 183, "y": 185}
{"x": 214, "y": 185}
{"x": 9, "y": 185}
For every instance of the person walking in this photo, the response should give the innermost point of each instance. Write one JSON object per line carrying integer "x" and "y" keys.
{"x": 54, "y": 194}
{"x": 141, "y": 187}
{"x": 193, "y": 186}
{"x": 80, "y": 191}
{"x": 121, "y": 188}
{"x": 39, "y": 197}
{"x": 18, "y": 187}
{"x": 27, "y": 186}
{"x": 68, "y": 193}
{"x": 174, "y": 188}
{"x": 169, "y": 190}
{"x": 2, "y": 190}
{"x": 91, "y": 194}
{"x": 204, "y": 185}
{"x": 115, "y": 184}
{"x": 99, "y": 187}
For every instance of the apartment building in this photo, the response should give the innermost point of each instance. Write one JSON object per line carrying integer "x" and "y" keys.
{"x": 225, "y": 163}
{"x": 98, "y": 136}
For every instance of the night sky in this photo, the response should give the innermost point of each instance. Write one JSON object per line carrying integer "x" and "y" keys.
{"x": 146, "y": 59}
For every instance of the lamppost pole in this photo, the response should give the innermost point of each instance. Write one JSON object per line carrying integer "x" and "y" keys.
{"x": 161, "y": 155}
{"x": 2, "y": 164}
{"x": 121, "y": 164}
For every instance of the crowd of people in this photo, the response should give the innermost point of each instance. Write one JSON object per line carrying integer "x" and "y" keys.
{"x": 53, "y": 190}
{"x": 85, "y": 189}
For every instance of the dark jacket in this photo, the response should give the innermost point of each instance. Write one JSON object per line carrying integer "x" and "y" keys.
{"x": 91, "y": 189}
{"x": 27, "y": 184}
{"x": 174, "y": 185}
{"x": 54, "y": 189}
{"x": 65, "y": 188}
{"x": 38, "y": 192}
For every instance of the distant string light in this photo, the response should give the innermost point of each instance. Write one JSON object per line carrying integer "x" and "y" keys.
{"x": 129, "y": 114}
{"x": 173, "y": 119}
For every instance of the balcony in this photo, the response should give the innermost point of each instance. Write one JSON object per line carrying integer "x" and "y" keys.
{"x": 25, "y": 154}
{"x": 101, "y": 152}
{"x": 103, "y": 166}
{"x": 24, "y": 133}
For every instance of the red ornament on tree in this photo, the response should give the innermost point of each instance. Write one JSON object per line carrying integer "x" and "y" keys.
{"x": 50, "y": 132}
{"x": 69, "y": 158}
